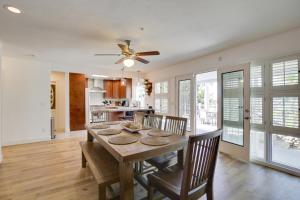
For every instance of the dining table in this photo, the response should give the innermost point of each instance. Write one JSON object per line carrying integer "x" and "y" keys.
{"x": 128, "y": 154}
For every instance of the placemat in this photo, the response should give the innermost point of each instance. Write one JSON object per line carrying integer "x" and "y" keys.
{"x": 154, "y": 141}
{"x": 112, "y": 123}
{"x": 159, "y": 133}
{"x": 100, "y": 126}
{"x": 121, "y": 140}
{"x": 109, "y": 131}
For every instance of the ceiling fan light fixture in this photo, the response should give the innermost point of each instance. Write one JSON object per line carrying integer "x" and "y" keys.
{"x": 129, "y": 62}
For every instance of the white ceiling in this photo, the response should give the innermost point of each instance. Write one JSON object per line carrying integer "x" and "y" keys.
{"x": 70, "y": 32}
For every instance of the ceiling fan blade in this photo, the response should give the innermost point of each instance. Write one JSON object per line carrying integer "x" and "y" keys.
{"x": 107, "y": 54}
{"x": 147, "y": 53}
{"x": 141, "y": 60}
{"x": 120, "y": 60}
{"x": 124, "y": 48}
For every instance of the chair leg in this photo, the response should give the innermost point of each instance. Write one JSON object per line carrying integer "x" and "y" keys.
{"x": 209, "y": 192}
{"x": 83, "y": 161}
{"x": 150, "y": 192}
{"x": 101, "y": 192}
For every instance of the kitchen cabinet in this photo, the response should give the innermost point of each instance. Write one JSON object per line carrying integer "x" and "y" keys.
{"x": 108, "y": 87}
{"x": 114, "y": 89}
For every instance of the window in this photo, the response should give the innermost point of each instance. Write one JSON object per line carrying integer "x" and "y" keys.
{"x": 256, "y": 80}
{"x": 256, "y": 110}
{"x": 286, "y": 112}
{"x": 257, "y": 128}
{"x": 257, "y": 148}
{"x": 140, "y": 94}
{"x": 286, "y": 150}
{"x": 285, "y": 73}
{"x": 161, "y": 102}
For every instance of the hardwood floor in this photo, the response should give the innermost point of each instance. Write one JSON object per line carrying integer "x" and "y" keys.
{"x": 52, "y": 171}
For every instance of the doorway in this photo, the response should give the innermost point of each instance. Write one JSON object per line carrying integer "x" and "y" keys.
{"x": 185, "y": 99}
{"x": 206, "y": 102}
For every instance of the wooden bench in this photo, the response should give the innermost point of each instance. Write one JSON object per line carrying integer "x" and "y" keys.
{"x": 102, "y": 164}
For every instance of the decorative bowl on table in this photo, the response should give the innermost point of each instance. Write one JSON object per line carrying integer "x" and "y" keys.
{"x": 131, "y": 127}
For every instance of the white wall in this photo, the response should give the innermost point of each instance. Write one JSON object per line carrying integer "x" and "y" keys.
{"x": 25, "y": 100}
{"x": 26, "y": 107}
{"x": 0, "y": 103}
{"x": 274, "y": 46}
{"x": 59, "y": 113}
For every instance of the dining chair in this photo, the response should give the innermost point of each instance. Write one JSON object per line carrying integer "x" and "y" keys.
{"x": 195, "y": 178}
{"x": 176, "y": 125}
{"x": 153, "y": 121}
{"x": 139, "y": 117}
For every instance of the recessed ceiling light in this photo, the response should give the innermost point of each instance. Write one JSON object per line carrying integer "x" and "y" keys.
{"x": 12, "y": 9}
{"x": 99, "y": 76}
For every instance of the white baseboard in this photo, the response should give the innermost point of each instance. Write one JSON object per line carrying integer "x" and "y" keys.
{"x": 26, "y": 141}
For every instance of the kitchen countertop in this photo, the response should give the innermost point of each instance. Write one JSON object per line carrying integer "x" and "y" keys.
{"x": 120, "y": 109}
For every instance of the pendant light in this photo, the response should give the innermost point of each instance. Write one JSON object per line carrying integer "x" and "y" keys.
{"x": 123, "y": 80}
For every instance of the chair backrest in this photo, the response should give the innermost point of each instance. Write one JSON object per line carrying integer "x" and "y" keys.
{"x": 153, "y": 121}
{"x": 139, "y": 117}
{"x": 200, "y": 161}
{"x": 175, "y": 125}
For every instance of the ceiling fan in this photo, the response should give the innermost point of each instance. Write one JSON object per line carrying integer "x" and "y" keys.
{"x": 130, "y": 55}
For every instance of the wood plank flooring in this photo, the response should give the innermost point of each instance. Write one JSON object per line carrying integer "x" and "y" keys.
{"x": 52, "y": 171}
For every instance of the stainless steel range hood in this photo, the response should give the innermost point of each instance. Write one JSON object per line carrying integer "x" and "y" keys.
{"x": 98, "y": 86}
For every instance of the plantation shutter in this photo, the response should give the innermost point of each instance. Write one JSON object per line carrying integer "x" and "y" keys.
{"x": 285, "y": 73}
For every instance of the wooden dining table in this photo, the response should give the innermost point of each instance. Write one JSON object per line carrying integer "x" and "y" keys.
{"x": 128, "y": 154}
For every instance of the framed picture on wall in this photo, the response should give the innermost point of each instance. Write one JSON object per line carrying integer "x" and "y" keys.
{"x": 52, "y": 96}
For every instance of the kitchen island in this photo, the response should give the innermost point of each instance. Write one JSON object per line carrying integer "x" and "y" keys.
{"x": 115, "y": 113}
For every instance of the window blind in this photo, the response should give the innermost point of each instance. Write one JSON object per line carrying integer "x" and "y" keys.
{"x": 285, "y": 73}
{"x": 286, "y": 112}
{"x": 233, "y": 80}
{"x": 256, "y": 110}
{"x": 231, "y": 110}
{"x": 256, "y": 77}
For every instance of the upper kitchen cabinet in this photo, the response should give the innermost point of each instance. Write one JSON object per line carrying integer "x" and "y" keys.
{"x": 114, "y": 89}
{"x": 108, "y": 87}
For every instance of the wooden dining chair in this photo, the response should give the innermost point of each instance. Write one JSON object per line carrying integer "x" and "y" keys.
{"x": 139, "y": 117}
{"x": 153, "y": 121}
{"x": 196, "y": 177}
{"x": 176, "y": 125}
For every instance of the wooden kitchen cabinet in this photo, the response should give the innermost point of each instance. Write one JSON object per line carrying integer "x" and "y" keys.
{"x": 114, "y": 89}
{"x": 108, "y": 86}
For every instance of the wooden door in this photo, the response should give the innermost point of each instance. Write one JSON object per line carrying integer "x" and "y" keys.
{"x": 108, "y": 86}
{"x": 77, "y": 84}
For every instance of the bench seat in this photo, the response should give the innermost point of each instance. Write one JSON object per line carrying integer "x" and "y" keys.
{"x": 103, "y": 165}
